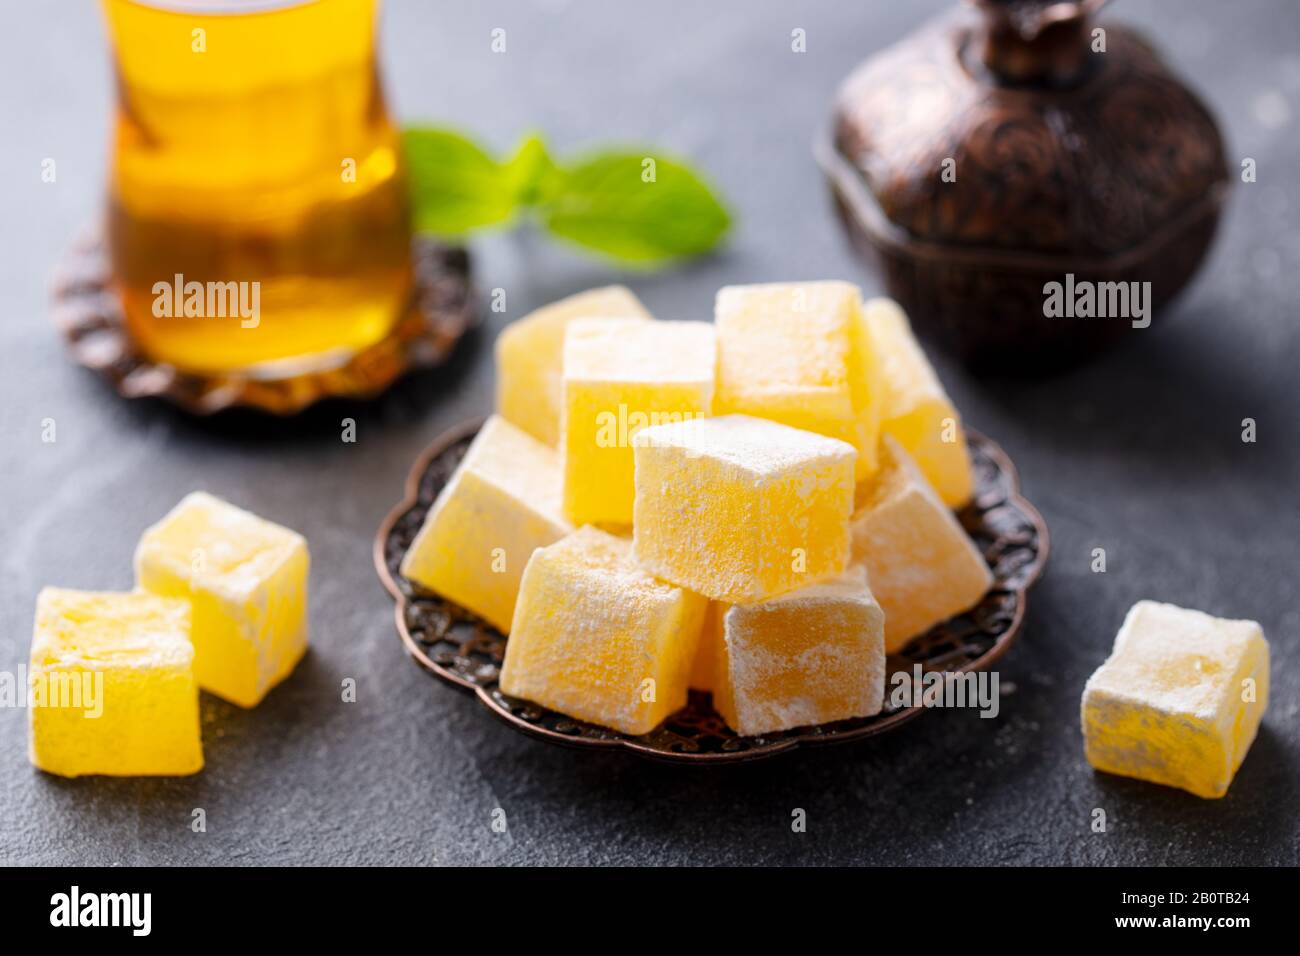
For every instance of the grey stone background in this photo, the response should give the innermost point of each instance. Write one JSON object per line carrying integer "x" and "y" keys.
{"x": 1139, "y": 453}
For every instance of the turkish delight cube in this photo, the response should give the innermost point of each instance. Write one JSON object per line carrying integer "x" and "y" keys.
{"x": 740, "y": 508}
{"x": 917, "y": 411}
{"x": 799, "y": 354}
{"x": 246, "y": 579}
{"x": 529, "y": 354}
{"x": 923, "y": 567}
{"x": 111, "y": 685}
{"x": 1179, "y": 700}
{"x": 599, "y": 639}
{"x": 805, "y": 657}
{"x": 704, "y": 667}
{"x": 501, "y": 504}
{"x": 619, "y": 377}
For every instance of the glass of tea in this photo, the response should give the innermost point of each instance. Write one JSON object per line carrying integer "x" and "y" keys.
{"x": 258, "y": 218}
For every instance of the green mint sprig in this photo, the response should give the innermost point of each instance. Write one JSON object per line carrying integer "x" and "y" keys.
{"x": 634, "y": 206}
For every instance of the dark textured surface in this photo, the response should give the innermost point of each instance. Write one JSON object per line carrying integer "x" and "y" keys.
{"x": 1139, "y": 453}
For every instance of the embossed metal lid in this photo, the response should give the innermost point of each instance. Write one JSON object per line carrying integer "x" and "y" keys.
{"x": 1018, "y": 138}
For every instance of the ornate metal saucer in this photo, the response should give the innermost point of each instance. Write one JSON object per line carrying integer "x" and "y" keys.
{"x": 454, "y": 645}
{"x": 88, "y": 314}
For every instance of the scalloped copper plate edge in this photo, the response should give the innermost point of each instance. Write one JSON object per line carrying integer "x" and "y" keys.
{"x": 411, "y": 498}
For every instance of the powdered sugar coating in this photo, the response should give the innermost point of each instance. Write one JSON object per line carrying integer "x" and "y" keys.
{"x": 596, "y": 637}
{"x": 810, "y": 656}
{"x": 616, "y": 350}
{"x": 757, "y": 446}
{"x": 1178, "y": 659}
{"x": 1179, "y": 700}
{"x": 923, "y": 567}
{"x": 739, "y": 508}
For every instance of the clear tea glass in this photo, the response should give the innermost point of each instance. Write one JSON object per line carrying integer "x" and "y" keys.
{"x": 258, "y": 218}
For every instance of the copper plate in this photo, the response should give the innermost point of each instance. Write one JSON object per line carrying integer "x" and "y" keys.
{"x": 462, "y": 650}
{"x": 90, "y": 317}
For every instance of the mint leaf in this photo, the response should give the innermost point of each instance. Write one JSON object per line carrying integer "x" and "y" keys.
{"x": 533, "y": 173}
{"x": 455, "y": 186}
{"x": 609, "y": 202}
{"x": 633, "y": 206}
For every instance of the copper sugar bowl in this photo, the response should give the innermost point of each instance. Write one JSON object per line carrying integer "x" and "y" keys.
{"x": 1015, "y": 143}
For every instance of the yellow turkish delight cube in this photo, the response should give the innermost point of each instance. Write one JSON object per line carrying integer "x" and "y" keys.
{"x": 799, "y": 354}
{"x": 923, "y": 567}
{"x": 704, "y": 667}
{"x": 619, "y": 377}
{"x": 1179, "y": 700}
{"x": 111, "y": 685}
{"x": 917, "y": 411}
{"x": 741, "y": 508}
{"x": 247, "y": 581}
{"x": 599, "y": 639}
{"x": 529, "y": 352}
{"x": 808, "y": 656}
{"x": 501, "y": 504}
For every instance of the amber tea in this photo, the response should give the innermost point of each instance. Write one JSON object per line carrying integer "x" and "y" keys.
{"x": 257, "y": 213}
